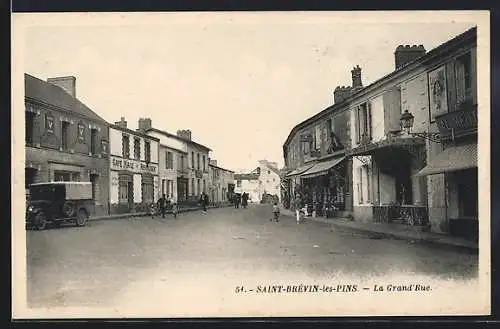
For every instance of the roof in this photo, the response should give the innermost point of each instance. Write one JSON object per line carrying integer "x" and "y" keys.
{"x": 178, "y": 138}
{"x": 172, "y": 148}
{"x": 433, "y": 53}
{"x": 211, "y": 165}
{"x": 246, "y": 176}
{"x": 50, "y": 94}
{"x": 133, "y": 132}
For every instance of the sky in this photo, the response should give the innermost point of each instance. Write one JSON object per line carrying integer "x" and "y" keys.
{"x": 239, "y": 83}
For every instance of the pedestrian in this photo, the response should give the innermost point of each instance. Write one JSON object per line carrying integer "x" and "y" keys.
{"x": 244, "y": 200}
{"x": 298, "y": 207}
{"x": 204, "y": 202}
{"x": 162, "y": 205}
{"x": 276, "y": 212}
{"x": 237, "y": 200}
{"x": 152, "y": 210}
{"x": 173, "y": 202}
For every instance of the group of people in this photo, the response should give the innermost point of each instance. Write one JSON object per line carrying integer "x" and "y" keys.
{"x": 241, "y": 199}
{"x": 163, "y": 204}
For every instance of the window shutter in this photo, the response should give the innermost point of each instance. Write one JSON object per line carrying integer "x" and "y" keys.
{"x": 369, "y": 118}
{"x": 360, "y": 192}
{"x": 358, "y": 126}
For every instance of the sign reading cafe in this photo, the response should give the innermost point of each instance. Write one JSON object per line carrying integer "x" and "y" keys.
{"x": 135, "y": 166}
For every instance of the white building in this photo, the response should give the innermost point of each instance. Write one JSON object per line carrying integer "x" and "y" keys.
{"x": 133, "y": 161}
{"x": 265, "y": 179}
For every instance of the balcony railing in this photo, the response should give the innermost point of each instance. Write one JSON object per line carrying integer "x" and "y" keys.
{"x": 458, "y": 123}
{"x": 410, "y": 214}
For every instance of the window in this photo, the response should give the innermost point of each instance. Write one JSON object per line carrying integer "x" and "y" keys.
{"x": 198, "y": 187}
{"x": 192, "y": 187}
{"x": 123, "y": 192}
{"x": 169, "y": 160}
{"x": 364, "y": 123}
{"x": 137, "y": 148}
{"x": 364, "y": 185}
{"x": 147, "y": 151}
{"x": 317, "y": 137}
{"x": 198, "y": 161}
{"x": 94, "y": 179}
{"x": 204, "y": 167}
{"x": 163, "y": 186}
{"x": 81, "y": 132}
{"x": 66, "y": 176}
{"x": 463, "y": 78}
{"x": 171, "y": 188}
{"x": 169, "y": 191}
{"x": 180, "y": 164}
{"x": 65, "y": 135}
{"x": 93, "y": 141}
{"x": 125, "y": 146}
{"x": 204, "y": 186}
{"x": 238, "y": 183}
{"x": 30, "y": 127}
{"x": 192, "y": 160}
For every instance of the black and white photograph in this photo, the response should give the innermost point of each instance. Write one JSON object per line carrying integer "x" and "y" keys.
{"x": 250, "y": 164}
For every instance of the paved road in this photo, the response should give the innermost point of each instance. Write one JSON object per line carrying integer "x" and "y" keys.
{"x": 102, "y": 263}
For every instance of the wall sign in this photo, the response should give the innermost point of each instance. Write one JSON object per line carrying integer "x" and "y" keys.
{"x": 81, "y": 132}
{"x": 117, "y": 163}
{"x": 49, "y": 123}
{"x": 437, "y": 92}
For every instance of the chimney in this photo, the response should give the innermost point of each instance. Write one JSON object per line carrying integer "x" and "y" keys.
{"x": 213, "y": 162}
{"x": 122, "y": 123}
{"x": 340, "y": 94}
{"x": 144, "y": 124}
{"x": 356, "y": 77}
{"x": 405, "y": 54}
{"x": 186, "y": 134}
{"x": 68, "y": 84}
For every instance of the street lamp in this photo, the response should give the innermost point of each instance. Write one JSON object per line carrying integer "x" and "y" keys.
{"x": 406, "y": 122}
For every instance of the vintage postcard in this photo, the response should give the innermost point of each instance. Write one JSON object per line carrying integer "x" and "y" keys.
{"x": 250, "y": 164}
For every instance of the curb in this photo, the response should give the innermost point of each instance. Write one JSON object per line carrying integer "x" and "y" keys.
{"x": 398, "y": 236}
{"x": 142, "y": 214}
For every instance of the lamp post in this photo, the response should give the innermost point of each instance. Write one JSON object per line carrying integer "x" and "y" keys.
{"x": 406, "y": 122}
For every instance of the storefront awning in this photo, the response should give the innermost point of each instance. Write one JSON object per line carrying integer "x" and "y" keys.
{"x": 321, "y": 168}
{"x": 299, "y": 170}
{"x": 452, "y": 159}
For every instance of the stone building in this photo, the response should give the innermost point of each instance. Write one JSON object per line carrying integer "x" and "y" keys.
{"x": 263, "y": 180}
{"x": 221, "y": 183}
{"x": 65, "y": 140}
{"x": 133, "y": 162}
{"x": 190, "y": 178}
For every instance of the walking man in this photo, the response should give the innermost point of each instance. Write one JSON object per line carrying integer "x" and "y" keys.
{"x": 204, "y": 201}
{"x": 162, "y": 204}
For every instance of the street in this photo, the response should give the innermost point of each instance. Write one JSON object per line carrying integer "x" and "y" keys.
{"x": 100, "y": 264}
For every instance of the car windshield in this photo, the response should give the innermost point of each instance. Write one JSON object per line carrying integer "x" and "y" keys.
{"x": 46, "y": 192}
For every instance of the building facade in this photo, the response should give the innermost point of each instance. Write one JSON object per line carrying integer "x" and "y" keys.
{"x": 221, "y": 183}
{"x": 189, "y": 176}
{"x": 316, "y": 166}
{"x": 263, "y": 180}
{"x": 65, "y": 140}
{"x": 134, "y": 172}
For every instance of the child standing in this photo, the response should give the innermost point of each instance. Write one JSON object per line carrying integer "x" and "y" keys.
{"x": 276, "y": 212}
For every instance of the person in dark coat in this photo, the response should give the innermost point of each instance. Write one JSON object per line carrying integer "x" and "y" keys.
{"x": 204, "y": 201}
{"x": 162, "y": 205}
{"x": 237, "y": 200}
{"x": 244, "y": 200}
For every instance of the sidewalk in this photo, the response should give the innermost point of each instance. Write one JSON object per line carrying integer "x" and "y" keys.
{"x": 140, "y": 214}
{"x": 397, "y": 231}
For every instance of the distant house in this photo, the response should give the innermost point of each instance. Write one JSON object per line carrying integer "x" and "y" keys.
{"x": 265, "y": 179}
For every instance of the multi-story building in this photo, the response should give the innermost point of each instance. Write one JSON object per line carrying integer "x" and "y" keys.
{"x": 428, "y": 93}
{"x": 189, "y": 158}
{"x": 65, "y": 139}
{"x": 221, "y": 183}
{"x": 316, "y": 166}
{"x": 410, "y": 147}
{"x": 263, "y": 180}
{"x": 133, "y": 162}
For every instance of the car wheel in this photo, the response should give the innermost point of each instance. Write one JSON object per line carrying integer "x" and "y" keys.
{"x": 40, "y": 221}
{"x": 81, "y": 218}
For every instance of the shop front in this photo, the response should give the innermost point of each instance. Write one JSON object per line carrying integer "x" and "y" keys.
{"x": 457, "y": 166}
{"x": 324, "y": 188}
{"x": 293, "y": 183}
{"x": 133, "y": 185}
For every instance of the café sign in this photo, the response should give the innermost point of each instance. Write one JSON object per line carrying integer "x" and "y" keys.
{"x": 457, "y": 123}
{"x": 135, "y": 166}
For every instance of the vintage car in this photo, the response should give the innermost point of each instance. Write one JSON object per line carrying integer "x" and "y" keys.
{"x": 57, "y": 202}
